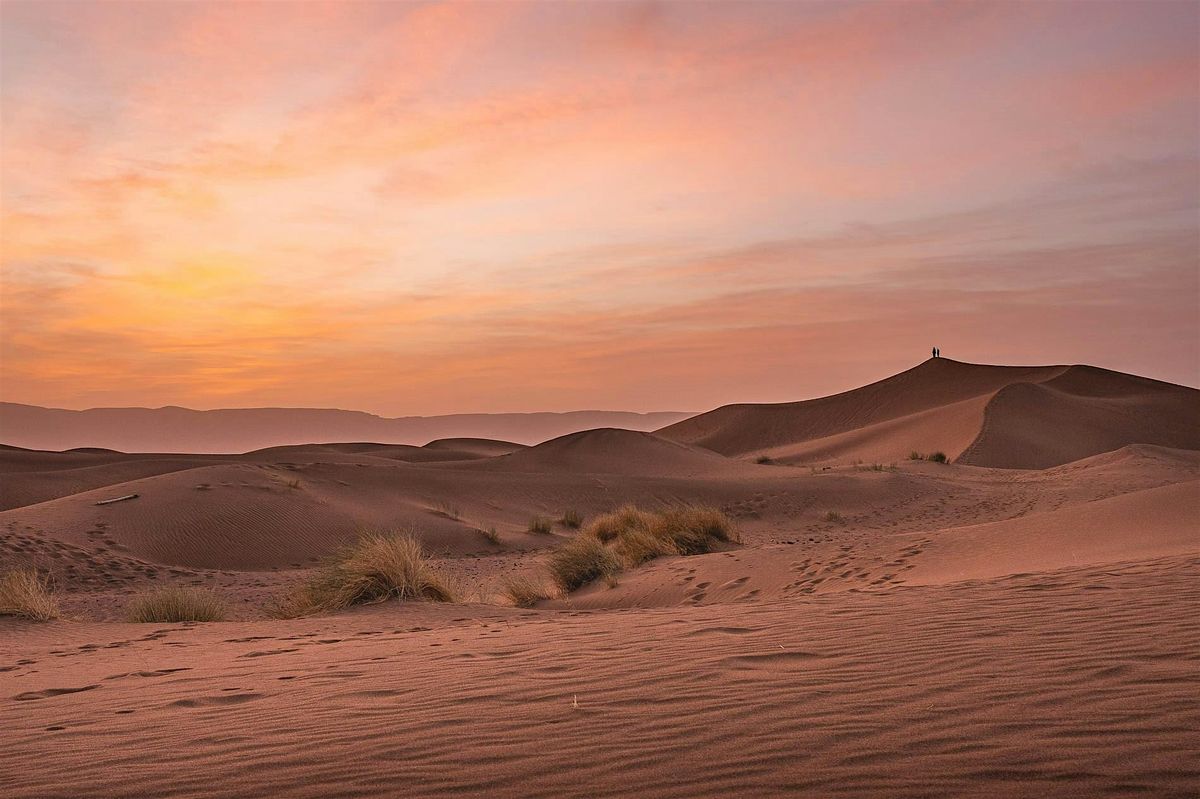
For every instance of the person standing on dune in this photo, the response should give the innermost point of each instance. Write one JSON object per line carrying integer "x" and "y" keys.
{"x": 935, "y": 352}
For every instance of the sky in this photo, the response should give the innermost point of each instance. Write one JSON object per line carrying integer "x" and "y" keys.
{"x": 426, "y": 208}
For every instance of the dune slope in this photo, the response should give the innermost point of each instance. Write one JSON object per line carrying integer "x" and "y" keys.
{"x": 999, "y": 416}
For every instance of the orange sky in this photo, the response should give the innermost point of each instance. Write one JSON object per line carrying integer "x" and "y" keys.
{"x": 431, "y": 208}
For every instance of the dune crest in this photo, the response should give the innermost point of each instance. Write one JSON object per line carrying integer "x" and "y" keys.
{"x": 999, "y": 416}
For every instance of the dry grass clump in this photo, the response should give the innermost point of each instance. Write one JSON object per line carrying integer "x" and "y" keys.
{"x": 490, "y": 534}
{"x": 636, "y": 547}
{"x": 608, "y": 526}
{"x": 630, "y": 536}
{"x": 540, "y": 525}
{"x": 694, "y": 530}
{"x": 834, "y": 517}
{"x": 938, "y": 457}
{"x": 525, "y": 592}
{"x": 581, "y": 560}
{"x": 26, "y": 594}
{"x": 376, "y": 568}
{"x": 177, "y": 603}
{"x": 572, "y": 519}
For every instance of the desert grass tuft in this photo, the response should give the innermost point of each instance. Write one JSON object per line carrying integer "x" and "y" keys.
{"x": 26, "y": 594}
{"x": 764, "y": 459}
{"x": 581, "y": 560}
{"x": 540, "y": 525}
{"x": 572, "y": 519}
{"x": 525, "y": 592}
{"x": 490, "y": 534}
{"x": 376, "y": 568}
{"x": 608, "y": 526}
{"x": 835, "y": 518}
{"x": 694, "y": 529}
{"x": 636, "y": 547}
{"x": 178, "y": 603}
{"x": 938, "y": 457}
{"x": 630, "y": 536}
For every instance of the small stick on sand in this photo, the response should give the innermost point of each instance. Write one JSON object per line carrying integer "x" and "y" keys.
{"x": 118, "y": 499}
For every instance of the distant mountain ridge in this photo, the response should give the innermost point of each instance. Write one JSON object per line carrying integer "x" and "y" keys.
{"x": 235, "y": 430}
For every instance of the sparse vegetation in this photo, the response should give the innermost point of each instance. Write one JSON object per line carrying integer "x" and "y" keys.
{"x": 608, "y": 526}
{"x": 525, "y": 592}
{"x": 630, "y": 536}
{"x": 27, "y": 594}
{"x": 178, "y": 603}
{"x": 376, "y": 568}
{"x": 540, "y": 525}
{"x": 448, "y": 510}
{"x": 581, "y": 560}
{"x": 293, "y": 484}
{"x": 572, "y": 519}
{"x": 834, "y": 517}
{"x": 764, "y": 459}
{"x": 938, "y": 457}
{"x": 490, "y": 534}
{"x": 915, "y": 456}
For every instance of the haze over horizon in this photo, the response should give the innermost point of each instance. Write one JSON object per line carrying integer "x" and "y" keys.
{"x": 425, "y": 209}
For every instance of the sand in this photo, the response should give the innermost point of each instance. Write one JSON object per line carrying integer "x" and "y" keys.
{"x": 1003, "y": 416}
{"x": 952, "y": 629}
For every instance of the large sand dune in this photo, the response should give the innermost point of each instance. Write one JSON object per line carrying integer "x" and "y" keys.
{"x": 613, "y": 451}
{"x": 1010, "y": 417}
{"x": 1020, "y": 623}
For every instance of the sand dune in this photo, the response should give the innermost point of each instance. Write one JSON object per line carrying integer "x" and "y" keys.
{"x": 972, "y": 628}
{"x": 613, "y": 451}
{"x": 1000, "y": 416}
{"x": 1140, "y": 526}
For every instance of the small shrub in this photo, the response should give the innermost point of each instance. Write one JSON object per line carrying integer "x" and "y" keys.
{"x": 763, "y": 459}
{"x": 376, "y": 568}
{"x": 629, "y": 537}
{"x": 938, "y": 457}
{"x": 525, "y": 592}
{"x": 834, "y": 517}
{"x": 26, "y": 594}
{"x": 178, "y": 603}
{"x": 540, "y": 525}
{"x": 636, "y": 547}
{"x": 608, "y": 526}
{"x": 581, "y": 560}
{"x": 694, "y": 530}
{"x": 915, "y": 456}
{"x": 490, "y": 534}
{"x": 571, "y": 519}
{"x": 294, "y": 484}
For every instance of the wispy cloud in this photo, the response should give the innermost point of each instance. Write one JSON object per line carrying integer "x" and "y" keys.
{"x": 493, "y": 206}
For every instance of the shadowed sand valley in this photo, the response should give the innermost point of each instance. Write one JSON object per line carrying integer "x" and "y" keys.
{"x": 1021, "y": 620}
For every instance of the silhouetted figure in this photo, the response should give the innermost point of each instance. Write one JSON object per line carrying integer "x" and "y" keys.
{"x": 935, "y": 352}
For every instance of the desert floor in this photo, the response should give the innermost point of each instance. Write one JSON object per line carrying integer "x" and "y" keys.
{"x": 961, "y": 631}
{"x": 884, "y": 629}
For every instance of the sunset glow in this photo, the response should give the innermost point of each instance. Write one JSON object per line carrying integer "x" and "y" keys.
{"x": 419, "y": 208}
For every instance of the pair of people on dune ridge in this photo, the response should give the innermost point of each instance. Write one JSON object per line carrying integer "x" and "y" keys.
{"x": 937, "y": 353}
